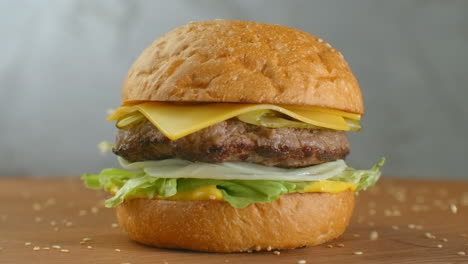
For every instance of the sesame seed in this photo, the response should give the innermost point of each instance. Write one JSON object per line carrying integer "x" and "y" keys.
{"x": 444, "y": 239}
{"x": 56, "y": 246}
{"x": 82, "y": 242}
{"x": 50, "y": 201}
{"x": 358, "y": 253}
{"x": 117, "y": 250}
{"x": 320, "y": 40}
{"x": 276, "y": 252}
{"x": 89, "y": 247}
{"x": 269, "y": 248}
{"x": 461, "y": 253}
{"x": 328, "y": 45}
{"x": 420, "y": 199}
{"x": 83, "y": 213}
{"x": 411, "y": 226}
{"x": 212, "y": 197}
{"x": 453, "y": 208}
{"x": 258, "y": 248}
{"x": 36, "y": 248}
{"x": 394, "y": 227}
{"x": 340, "y": 245}
{"x": 329, "y": 246}
{"x": 27, "y": 243}
{"x": 301, "y": 261}
{"x": 53, "y": 223}
{"x": 68, "y": 224}
{"x": 361, "y": 219}
{"x": 114, "y": 225}
{"x": 65, "y": 250}
{"x": 429, "y": 235}
{"x": 94, "y": 210}
{"x": 36, "y": 206}
{"x": 374, "y": 235}
{"x": 87, "y": 239}
{"x": 443, "y": 192}
{"x": 464, "y": 199}
{"x": 440, "y": 245}
{"x": 46, "y": 248}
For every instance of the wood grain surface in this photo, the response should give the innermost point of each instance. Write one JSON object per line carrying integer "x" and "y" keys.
{"x": 398, "y": 221}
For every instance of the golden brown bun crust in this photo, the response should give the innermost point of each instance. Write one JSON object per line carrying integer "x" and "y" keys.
{"x": 242, "y": 61}
{"x": 294, "y": 220}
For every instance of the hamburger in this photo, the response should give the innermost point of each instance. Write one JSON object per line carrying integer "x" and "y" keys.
{"x": 232, "y": 138}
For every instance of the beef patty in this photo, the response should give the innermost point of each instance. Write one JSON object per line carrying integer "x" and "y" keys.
{"x": 234, "y": 140}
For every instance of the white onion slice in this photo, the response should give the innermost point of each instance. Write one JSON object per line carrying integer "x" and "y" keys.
{"x": 177, "y": 168}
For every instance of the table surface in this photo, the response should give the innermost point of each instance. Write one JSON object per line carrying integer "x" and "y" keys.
{"x": 398, "y": 221}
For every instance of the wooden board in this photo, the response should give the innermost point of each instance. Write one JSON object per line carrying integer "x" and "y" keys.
{"x": 399, "y": 221}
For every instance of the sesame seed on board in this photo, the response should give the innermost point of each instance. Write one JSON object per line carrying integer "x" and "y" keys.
{"x": 453, "y": 208}
{"x": 94, "y": 210}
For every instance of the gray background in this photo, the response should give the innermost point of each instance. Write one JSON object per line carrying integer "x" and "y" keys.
{"x": 62, "y": 64}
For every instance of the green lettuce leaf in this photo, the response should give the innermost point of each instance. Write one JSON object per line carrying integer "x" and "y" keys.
{"x": 362, "y": 178}
{"x": 238, "y": 193}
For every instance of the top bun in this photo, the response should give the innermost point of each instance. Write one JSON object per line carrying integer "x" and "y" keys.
{"x": 242, "y": 62}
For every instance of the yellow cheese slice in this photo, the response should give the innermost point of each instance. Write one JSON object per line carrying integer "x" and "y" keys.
{"x": 207, "y": 192}
{"x": 178, "y": 120}
{"x": 330, "y": 187}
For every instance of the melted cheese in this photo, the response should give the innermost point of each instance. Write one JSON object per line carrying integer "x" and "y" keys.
{"x": 207, "y": 192}
{"x": 210, "y": 192}
{"x": 178, "y": 120}
{"x": 330, "y": 187}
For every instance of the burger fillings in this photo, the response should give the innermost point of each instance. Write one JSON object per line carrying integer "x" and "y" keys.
{"x": 221, "y": 119}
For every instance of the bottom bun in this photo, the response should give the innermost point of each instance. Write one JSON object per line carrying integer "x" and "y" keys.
{"x": 294, "y": 220}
